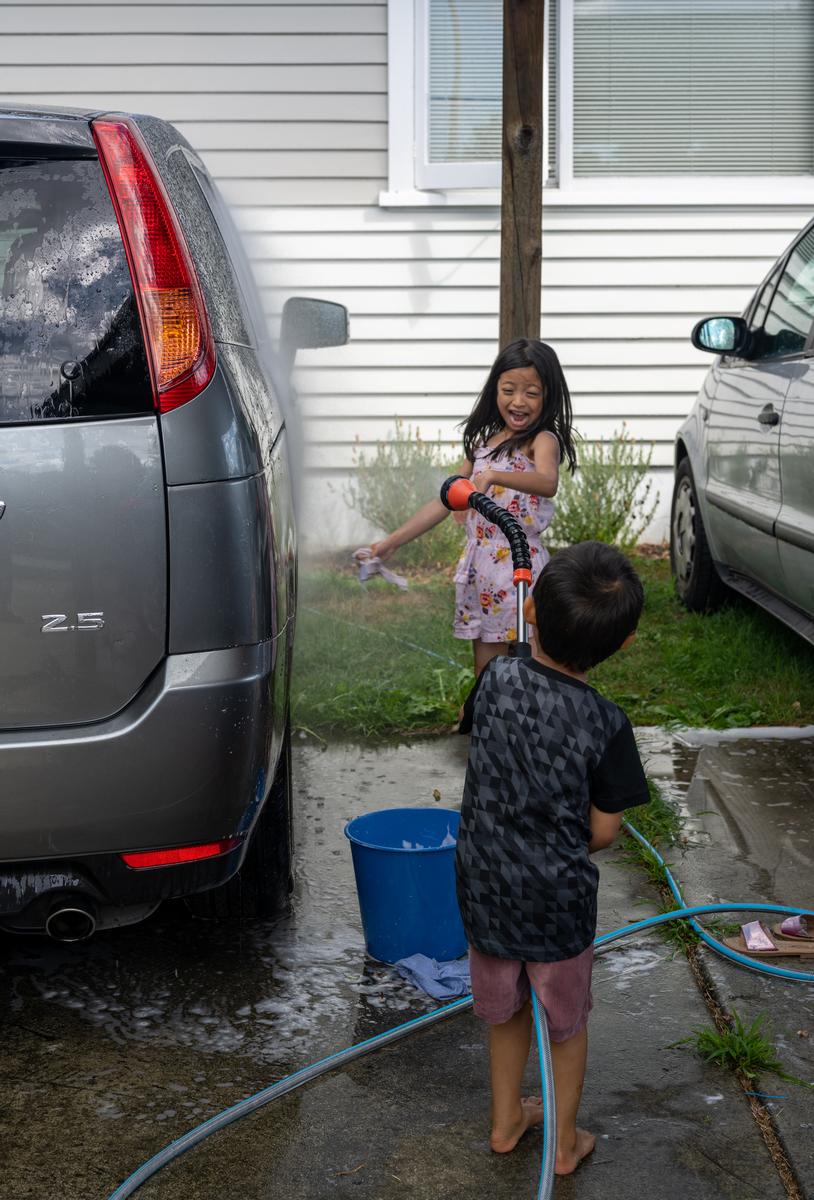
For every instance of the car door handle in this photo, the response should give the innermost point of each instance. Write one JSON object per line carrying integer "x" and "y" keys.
{"x": 767, "y": 416}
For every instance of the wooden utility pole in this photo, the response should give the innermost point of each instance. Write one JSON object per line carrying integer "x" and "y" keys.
{"x": 521, "y": 217}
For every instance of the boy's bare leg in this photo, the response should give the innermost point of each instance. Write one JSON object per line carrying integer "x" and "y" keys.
{"x": 568, "y": 1059}
{"x": 508, "y": 1053}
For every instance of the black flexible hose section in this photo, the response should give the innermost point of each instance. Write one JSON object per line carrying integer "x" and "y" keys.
{"x": 506, "y": 523}
{"x": 508, "y": 526}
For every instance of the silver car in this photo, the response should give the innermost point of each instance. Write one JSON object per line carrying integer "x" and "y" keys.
{"x": 743, "y": 503}
{"x": 147, "y": 542}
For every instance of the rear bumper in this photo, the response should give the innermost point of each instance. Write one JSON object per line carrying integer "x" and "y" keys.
{"x": 188, "y": 761}
{"x": 102, "y": 884}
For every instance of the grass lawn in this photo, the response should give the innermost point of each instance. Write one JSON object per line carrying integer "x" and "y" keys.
{"x": 356, "y": 673}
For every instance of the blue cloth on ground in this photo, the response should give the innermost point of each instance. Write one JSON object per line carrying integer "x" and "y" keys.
{"x": 441, "y": 980}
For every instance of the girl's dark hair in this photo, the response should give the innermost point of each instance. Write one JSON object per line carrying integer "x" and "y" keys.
{"x": 485, "y": 421}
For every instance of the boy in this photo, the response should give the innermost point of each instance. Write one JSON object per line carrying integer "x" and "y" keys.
{"x": 552, "y": 766}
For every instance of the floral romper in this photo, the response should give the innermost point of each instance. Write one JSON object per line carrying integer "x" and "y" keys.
{"x": 485, "y": 599}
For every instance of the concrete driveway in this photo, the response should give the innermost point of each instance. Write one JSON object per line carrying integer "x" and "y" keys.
{"x": 115, "y": 1047}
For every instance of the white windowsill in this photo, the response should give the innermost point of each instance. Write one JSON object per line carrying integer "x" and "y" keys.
{"x": 785, "y": 192}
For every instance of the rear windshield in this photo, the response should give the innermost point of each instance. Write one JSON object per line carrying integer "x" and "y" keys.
{"x": 70, "y": 339}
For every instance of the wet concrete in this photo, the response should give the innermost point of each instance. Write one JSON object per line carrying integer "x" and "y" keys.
{"x": 113, "y": 1048}
{"x": 750, "y": 808}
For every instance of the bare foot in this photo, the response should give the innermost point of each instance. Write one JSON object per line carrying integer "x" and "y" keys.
{"x": 567, "y": 1162}
{"x": 531, "y": 1109}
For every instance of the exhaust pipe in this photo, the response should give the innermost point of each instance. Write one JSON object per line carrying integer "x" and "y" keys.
{"x": 71, "y": 923}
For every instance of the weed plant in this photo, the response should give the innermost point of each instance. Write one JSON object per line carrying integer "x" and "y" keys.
{"x": 403, "y": 473}
{"x": 741, "y": 1048}
{"x": 660, "y": 822}
{"x": 608, "y": 498}
{"x": 738, "y": 1048}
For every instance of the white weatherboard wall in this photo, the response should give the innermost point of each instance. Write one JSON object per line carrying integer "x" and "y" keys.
{"x": 288, "y": 105}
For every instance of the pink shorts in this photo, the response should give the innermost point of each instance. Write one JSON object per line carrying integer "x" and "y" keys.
{"x": 501, "y": 986}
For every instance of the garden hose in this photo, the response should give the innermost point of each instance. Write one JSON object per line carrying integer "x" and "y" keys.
{"x": 252, "y": 1103}
{"x": 545, "y": 1186}
{"x": 459, "y": 493}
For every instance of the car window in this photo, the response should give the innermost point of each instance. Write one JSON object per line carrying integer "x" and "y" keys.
{"x": 791, "y": 311}
{"x": 759, "y": 313}
{"x": 70, "y": 338}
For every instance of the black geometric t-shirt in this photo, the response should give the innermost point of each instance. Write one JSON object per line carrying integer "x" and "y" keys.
{"x": 544, "y": 748}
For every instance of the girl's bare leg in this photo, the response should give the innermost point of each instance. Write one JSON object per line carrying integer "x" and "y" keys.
{"x": 568, "y": 1060}
{"x": 485, "y": 652}
{"x": 508, "y": 1053}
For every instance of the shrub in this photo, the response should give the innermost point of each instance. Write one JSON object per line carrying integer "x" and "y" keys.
{"x": 607, "y": 499}
{"x": 402, "y": 475}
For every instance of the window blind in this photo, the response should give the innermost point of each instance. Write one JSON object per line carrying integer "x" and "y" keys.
{"x": 465, "y": 67}
{"x": 464, "y": 102}
{"x": 693, "y": 87}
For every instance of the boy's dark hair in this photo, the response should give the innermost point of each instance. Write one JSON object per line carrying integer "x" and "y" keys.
{"x": 485, "y": 419}
{"x": 588, "y": 599}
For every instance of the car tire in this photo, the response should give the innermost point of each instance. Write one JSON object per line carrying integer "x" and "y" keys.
{"x": 262, "y": 886}
{"x": 697, "y": 582}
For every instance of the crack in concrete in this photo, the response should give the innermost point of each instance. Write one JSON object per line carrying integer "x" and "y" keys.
{"x": 722, "y": 1019}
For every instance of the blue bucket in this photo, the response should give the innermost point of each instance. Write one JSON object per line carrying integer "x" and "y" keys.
{"x": 404, "y": 861}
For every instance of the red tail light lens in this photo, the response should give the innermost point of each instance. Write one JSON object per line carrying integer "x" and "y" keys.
{"x": 139, "y": 859}
{"x": 173, "y": 314}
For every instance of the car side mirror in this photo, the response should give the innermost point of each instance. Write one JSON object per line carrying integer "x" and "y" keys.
{"x": 721, "y": 335}
{"x": 308, "y": 324}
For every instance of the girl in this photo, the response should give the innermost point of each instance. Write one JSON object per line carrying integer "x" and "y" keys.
{"x": 514, "y": 441}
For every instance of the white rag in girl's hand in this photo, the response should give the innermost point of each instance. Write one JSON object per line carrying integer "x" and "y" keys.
{"x": 370, "y": 565}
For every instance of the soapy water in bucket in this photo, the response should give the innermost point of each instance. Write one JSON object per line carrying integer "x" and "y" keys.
{"x": 447, "y": 843}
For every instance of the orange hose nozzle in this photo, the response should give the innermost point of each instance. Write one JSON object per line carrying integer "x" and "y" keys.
{"x": 458, "y": 493}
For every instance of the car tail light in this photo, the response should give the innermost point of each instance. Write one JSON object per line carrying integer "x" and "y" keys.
{"x": 139, "y": 859}
{"x": 173, "y": 315}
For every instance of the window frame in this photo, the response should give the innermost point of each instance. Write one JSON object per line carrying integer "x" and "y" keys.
{"x": 806, "y": 349}
{"x": 434, "y": 175}
{"x": 414, "y": 183}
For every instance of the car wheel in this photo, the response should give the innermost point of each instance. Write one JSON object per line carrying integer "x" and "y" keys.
{"x": 262, "y": 886}
{"x": 697, "y": 582}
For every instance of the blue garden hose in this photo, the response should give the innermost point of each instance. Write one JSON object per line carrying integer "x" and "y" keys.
{"x": 242, "y": 1109}
{"x": 546, "y": 1184}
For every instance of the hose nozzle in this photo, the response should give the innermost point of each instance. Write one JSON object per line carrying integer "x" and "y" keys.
{"x": 455, "y": 492}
